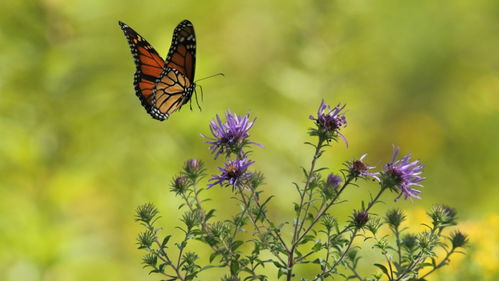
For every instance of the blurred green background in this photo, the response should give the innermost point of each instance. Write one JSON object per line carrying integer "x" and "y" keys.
{"x": 78, "y": 153}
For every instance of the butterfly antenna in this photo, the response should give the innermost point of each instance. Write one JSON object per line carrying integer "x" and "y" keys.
{"x": 218, "y": 74}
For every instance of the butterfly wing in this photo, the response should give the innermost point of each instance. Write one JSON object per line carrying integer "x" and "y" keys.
{"x": 164, "y": 86}
{"x": 172, "y": 90}
{"x": 182, "y": 53}
{"x": 175, "y": 86}
{"x": 149, "y": 65}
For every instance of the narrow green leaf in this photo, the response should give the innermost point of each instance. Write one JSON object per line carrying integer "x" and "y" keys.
{"x": 234, "y": 267}
{"x": 165, "y": 241}
{"x": 213, "y": 256}
{"x": 383, "y": 268}
{"x": 236, "y": 244}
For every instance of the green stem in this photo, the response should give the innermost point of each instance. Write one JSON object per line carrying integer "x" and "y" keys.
{"x": 168, "y": 260}
{"x": 390, "y": 267}
{"x": 271, "y": 224}
{"x": 323, "y": 274}
{"x": 412, "y": 265}
{"x": 204, "y": 223}
{"x": 327, "y": 245}
{"x": 240, "y": 222}
{"x": 442, "y": 263}
{"x": 298, "y": 224}
{"x": 253, "y": 220}
{"x": 357, "y": 275}
{"x": 399, "y": 251}
{"x": 181, "y": 251}
{"x": 323, "y": 210}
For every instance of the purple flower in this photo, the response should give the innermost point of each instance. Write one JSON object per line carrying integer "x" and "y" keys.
{"x": 232, "y": 174}
{"x": 403, "y": 174}
{"x": 230, "y": 136}
{"x": 333, "y": 181}
{"x": 359, "y": 169}
{"x": 330, "y": 120}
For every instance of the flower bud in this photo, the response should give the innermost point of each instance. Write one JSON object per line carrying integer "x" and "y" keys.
{"x": 442, "y": 216}
{"x": 146, "y": 213}
{"x": 330, "y": 186}
{"x": 360, "y": 218}
{"x": 329, "y": 222}
{"x": 333, "y": 181}
{"x": 409, "y": 242}
{"x": 193, "y": 166}
{"x": 427, "y": 241}
{"x": 179, "y": 184}
{"x": 394, "y": 218}
{"x": 458, "y": 239}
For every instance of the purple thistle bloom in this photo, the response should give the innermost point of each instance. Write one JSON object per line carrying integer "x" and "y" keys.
{"x": 403, "y": 174}
{"x": 330, "y": 120}
{"x": 359, "y": 169}
{"x": 230, "y": 136}
{"x": 232, "y": 174}
{"x": 333, "y": 181}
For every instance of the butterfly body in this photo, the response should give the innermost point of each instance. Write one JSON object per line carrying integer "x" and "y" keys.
{"x": 164, "y": 86}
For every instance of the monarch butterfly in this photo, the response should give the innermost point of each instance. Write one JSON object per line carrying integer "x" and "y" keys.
{"x": 164, "y": 86}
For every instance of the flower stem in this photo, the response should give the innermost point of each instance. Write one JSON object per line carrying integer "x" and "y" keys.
{"x": 442, "y": 263}
{"x": 411, "y": 266}
{"x": 298, "y": 224}
{"x": 323, "y": 210}
{"x": 326, "y": 272}
{"x": 204, "y": 223}
{"x": 260, "y": 207}
{"x": 253, "y": 220}
{"x": 169, "y": 261}
{"x": 399, "y": 252}
{"x": 357, "y": 275}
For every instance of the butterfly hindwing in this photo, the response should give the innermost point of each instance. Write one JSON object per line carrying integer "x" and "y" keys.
{"x": 172, "y": 90}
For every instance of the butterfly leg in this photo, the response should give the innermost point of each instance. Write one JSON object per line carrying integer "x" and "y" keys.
{"x": 196, "y": 94}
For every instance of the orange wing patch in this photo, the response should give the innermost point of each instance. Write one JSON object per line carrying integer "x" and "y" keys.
{"x": 150, "y": 58}
{"x": 146, "y": 87}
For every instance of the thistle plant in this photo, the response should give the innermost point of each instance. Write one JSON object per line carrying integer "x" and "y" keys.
{"x": 251, "y": 245}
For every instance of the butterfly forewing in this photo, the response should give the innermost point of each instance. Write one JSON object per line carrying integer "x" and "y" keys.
{"x": 148, "y": 62}
{"x": 182, "y": 53}
{"x": 164, "y": 86}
